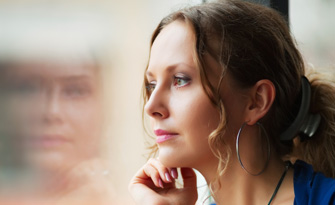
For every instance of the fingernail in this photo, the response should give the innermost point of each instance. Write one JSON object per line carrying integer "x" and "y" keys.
{"x": 168, "y": 178}
{"x": 160, "y": 183}
{"x": 174, "y": 173}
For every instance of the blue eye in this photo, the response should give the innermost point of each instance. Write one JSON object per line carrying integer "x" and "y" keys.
{"x": 150, "y": 87}
{"x": 25, "y": 88}
{"x": 73, "y": 92}
{"x": 76, "y": 91}
{"x": 181, "y": 81}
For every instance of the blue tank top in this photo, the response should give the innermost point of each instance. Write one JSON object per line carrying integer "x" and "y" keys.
{"x": 312, "y": 187}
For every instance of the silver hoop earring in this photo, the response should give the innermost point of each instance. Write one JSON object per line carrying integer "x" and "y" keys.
{"x": 238, "y": 154}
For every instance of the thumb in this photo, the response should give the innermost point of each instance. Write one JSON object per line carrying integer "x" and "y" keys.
{"x": 189, "y": 178}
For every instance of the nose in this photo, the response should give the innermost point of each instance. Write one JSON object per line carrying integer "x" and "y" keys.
{"x": 157, "y": 104}
{"x": 52, "y": 107}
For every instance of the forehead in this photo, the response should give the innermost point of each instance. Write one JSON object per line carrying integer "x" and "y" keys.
{"x": 175, "y": 44}
{"x": 49, "y": 69}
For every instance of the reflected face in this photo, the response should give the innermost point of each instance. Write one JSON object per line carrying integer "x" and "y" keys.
{"x": 182, "y": 116}
{"x": 53, "y": 111}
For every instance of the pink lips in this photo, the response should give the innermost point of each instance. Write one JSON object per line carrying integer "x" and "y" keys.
{"x": 163, "y": 135}
{"x": 47, "y": 141}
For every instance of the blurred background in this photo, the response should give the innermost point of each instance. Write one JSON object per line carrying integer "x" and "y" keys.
{"x": 108, "y": 41}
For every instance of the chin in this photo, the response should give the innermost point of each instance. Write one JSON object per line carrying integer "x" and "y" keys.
{"x": 177, "y": 157}
{"x": 50, "y": 161}
{"x": 173, "y": 158}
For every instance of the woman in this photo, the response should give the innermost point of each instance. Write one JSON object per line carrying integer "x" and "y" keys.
{"x": 48, "y": 107}
{"x": 226, "y": 95}
{"x": 52, "y": 110}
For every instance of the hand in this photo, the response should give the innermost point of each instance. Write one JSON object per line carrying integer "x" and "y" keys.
{"x": 155, "y": 184}
{"x": 87, "y": 183}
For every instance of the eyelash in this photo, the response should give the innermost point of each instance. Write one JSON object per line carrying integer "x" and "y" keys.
{"x": 150, "y": 87}
{"x": 181, "y": 78}
{"x": 76, "y": 91}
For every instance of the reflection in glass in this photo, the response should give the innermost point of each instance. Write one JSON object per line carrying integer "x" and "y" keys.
{"x": 51, "y": 106}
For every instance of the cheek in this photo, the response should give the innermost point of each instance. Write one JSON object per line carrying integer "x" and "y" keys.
{"x": 199, "y": 119}
{"x": 199, "y": 116}
{"x": 84, "y": 127}
{"x": 86, "y": 118}
{"x": 22, "y": 117}
{"x": 203, "y": 122}
{"x": 23, "y": 108}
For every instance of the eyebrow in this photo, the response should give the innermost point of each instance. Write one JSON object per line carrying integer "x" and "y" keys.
{"x": 74, "y": 77}
{"x": 169, "y": 69}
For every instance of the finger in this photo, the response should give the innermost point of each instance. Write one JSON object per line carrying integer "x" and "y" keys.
{"x": 189, "y": 178}
{"x": 174, "y": 173}
{"x": 147, "y": 176}
{"x": 149, "y": 171}
{"x": 163, "y": 171}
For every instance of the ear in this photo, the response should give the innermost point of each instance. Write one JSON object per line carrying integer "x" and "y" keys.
{"x": 261, "y": 97}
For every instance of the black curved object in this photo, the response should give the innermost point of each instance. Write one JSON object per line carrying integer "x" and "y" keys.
{"x": 305, "y": 124}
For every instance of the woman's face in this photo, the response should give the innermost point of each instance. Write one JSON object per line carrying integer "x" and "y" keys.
{"x": 53, "y": 112}
{"x": 182, "y": 116}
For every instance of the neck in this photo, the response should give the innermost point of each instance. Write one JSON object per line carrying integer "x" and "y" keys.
{"x": 239, "y": 187}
